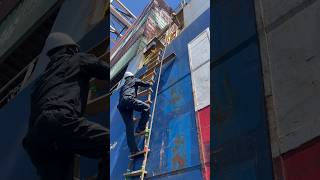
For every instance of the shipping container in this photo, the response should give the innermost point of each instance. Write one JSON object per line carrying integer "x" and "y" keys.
{"x": 289, "y": 46}
{"x": 180, "y": 138}
{"x": 265, "y": 89}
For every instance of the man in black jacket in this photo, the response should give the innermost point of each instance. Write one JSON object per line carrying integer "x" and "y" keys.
{"x": 57, "y": 129}
{"x": 128, "y": 103}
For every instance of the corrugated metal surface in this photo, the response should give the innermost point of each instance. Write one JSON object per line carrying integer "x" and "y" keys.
{"x": 234, "y": 25}
{"x": 174, "y": 141}
{"x": 241, "y": 148}
{"x": 172, "y": 147}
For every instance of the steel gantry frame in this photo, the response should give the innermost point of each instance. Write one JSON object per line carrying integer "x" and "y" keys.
{"x": 120, "y": 20}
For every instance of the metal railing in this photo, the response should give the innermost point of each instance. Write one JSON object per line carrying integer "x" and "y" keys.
{"x": 24, "y": 75}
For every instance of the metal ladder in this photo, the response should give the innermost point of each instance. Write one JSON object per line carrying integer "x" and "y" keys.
{"x": 153, "y": 60}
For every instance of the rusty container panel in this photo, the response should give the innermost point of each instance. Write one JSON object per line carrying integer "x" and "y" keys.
{"x": 233, "y": 25}
{"x": 174, "y": 144}
{"x": 241, "y": 146}
{"x": 174, "y": 141}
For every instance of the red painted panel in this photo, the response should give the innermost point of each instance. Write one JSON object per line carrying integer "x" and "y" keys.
{"x": 203, "y": 117}
{"x": 304, "y": 162}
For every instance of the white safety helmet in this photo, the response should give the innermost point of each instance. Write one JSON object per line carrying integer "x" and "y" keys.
{"x": 58, "y": 39}
{"x": 127, "y": 74}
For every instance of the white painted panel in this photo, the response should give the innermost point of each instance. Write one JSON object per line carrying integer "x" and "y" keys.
{"x": 199, "y": 49}
{"x": 275, "y": 9}
{"x": 294, "y": 48}
{"x": 199, "y": 57}
{"x": 194, "y": 9}
{"x": 201, "y": 86}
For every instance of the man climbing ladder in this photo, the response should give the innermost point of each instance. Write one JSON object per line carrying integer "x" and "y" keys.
{"x": 57, "y": 128}
{"x": 129, "y": 103}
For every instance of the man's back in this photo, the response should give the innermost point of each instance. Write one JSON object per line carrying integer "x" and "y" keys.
{"x": 65, "y": 84}
{"x": 130, "y": 87}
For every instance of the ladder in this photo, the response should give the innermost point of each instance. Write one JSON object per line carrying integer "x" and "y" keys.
{"x": 152, "y": 61}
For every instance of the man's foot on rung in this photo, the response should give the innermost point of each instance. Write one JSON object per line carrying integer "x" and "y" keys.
{"x": 140, "y": 133}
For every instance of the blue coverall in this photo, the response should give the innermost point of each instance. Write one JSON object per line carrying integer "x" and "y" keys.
{"x": 129, "y": 103}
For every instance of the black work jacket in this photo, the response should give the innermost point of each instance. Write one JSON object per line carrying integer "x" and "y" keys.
{"x": 65, "y": 83}
{"x": 130, "y": 88}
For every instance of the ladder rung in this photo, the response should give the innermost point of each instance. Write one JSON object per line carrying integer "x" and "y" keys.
{"x": 151, "y": 64}
{"x": 145, "y": 92}
{"x": 135, "y": 173}
{"x": 149, "y": 71}
{"x": 151, "y": 60}
{"x": 142, "y": 132}
{"x": 138, "y": 153}
{"x": 153, "y": 67}
{"x": 135, "y": 119}
{"x": 153, "y": 55}
{"x": 148, "y": 78}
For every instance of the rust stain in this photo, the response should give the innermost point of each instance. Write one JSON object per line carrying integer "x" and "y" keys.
{"x": 225, "y": 110}
{"x": 177, "y": 158}
{"x": 174, "y": 96}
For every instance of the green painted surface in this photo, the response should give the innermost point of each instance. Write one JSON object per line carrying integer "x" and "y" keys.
{"x": 21, "y": 20}
{"x": 136, "y": 47}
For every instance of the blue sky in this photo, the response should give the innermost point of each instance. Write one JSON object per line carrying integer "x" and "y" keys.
{"x": 137, "y": 6}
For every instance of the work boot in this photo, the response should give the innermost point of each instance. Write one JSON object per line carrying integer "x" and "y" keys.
{"x": 139, "y": 131}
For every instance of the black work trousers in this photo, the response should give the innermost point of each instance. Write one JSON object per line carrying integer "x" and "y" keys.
{"x": 55, "y": 138}
{"x": 126, "y": 107}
